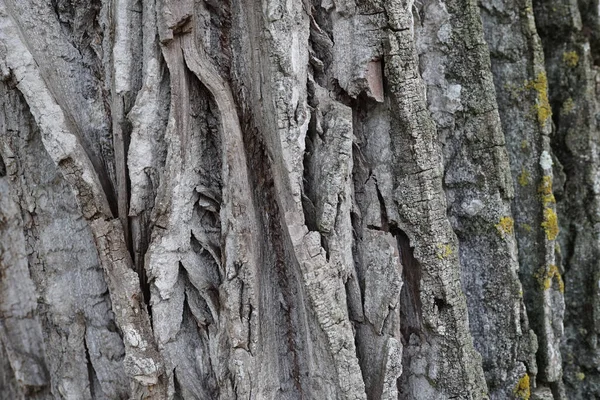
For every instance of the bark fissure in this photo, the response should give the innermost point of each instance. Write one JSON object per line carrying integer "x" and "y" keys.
{"x": 410, "y": 300}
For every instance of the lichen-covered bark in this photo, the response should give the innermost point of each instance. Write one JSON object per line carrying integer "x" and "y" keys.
{"x": 478, "y": 185}
{"x": 570, "y": 46}
{"x": 521, "y": 91}
{"x": 350, "y": 199}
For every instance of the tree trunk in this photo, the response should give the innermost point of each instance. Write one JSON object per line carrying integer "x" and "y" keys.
{"x": 317, "y": 199}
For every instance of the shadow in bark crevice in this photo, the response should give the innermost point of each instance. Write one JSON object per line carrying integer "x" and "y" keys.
{"x": 277, "y": 274}
{"x": 410, "y": 299}
{"x": 2, "y": 167}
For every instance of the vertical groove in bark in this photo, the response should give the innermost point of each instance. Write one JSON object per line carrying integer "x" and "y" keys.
{"x": 125, "y": 79}
{"x": 148, "y": 116}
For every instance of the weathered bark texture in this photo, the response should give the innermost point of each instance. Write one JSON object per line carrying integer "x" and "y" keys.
{"x": 316, "y": 199}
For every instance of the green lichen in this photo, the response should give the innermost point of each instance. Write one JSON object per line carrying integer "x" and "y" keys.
{"x": 580, "y": 376}
{"x": 523, "y": 389}
{"x": 523, "y": 178}
{"x": 571, "y": 59}
{"x": 444, "y": 251}
{"x": 542, "y": 105}
{"x": 550, "y": 223}
{"x": 524, "y": 145}
{"x": 506, "y": 226}
{"x": 545, "y": 278}
{"x": 527, "y": 228}
{"x": 545, "y": 191}
{"x": 568, "y": 106}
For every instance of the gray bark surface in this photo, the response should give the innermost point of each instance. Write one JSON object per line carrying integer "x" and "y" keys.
{"x": 317, "y": 199}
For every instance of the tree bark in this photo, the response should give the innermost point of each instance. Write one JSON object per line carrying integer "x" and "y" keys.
{"x": 317, "y": 199}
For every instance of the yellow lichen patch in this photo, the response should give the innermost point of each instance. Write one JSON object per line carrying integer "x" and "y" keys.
{"x": 550, "y": 223}
{"x": 527, "y": 228}
{"x": 571, "y": 58}
{"x": 546, "y": 185}
{"x": 524, "y": 145}
{"x": 559, "y": 279}
{"x": 580, "y": 376}
{"x": 548, "y": 199}
{"x": 542, "y": 106}
{"x": 444, "y": 251}
{"x": 568, "y": 106}
{"x": 523, "y": 178}
{"x": 523, "y": 390}
{"x": 545, "y": 191}
{"x": 545, "y": 278}
{"x": 506, "y": 226}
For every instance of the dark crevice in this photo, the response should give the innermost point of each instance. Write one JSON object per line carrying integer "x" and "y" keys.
{"x": 309, "y": 192}
{"x": 90, "y": 368}
{"x": 143, "y": 223}
{"x": 176, "y": 386}
{"x": 282, "y": 275}
{"x": 320, "y": 44}
{"x": 250, "y": 313}
{"x": 126, "y": 102}
{"x": 274, "y": 254}
{"x": 325, "y": 246}
{"x": 310, "y": 216}
{"x": 410, "y": 299}
{"x": 101, "y": 167}
{"x": 385, "y": 225}
{"x": 220, "y": 32}
{"x": 308, "y": 205}
{"x": 384, "y": 81}
{"x": 191, "y": 329}
{"x": 340, "y": 95}
{"x": 357, "y": 234}
{"x": 440, "y": 304}
{"x": 569, "y": 251}
{"x": 2, "y": 167}
{"x": 126, "y": 128}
